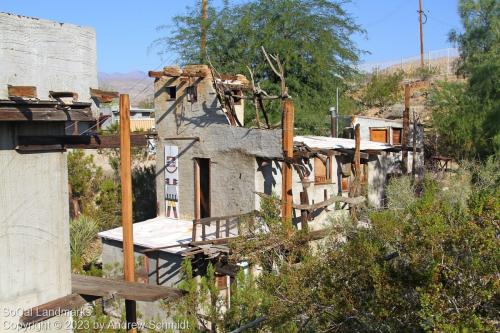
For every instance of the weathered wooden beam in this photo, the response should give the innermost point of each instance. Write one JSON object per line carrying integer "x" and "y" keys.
{"x": 22, "y": 91}
{"x": 188, "y": 71}
{"x": 80, "y": 141}
{"x": 286, "y": 193}
{"x": 363, "y": 155}
{"x": 351, "y": 201}
{"x": 194, "y": 138}
{"x": 406, "y": 129}
{"x": 216, "y": 241}
{"x": 27, "y": 110}
{"x": 100, "y": 287}
{"x": 64, "y": 94}
{"x": 54, "y": 308}
{"x": 103, "y": 96}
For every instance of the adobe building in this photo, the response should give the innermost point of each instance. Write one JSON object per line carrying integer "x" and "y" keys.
{"x": 210, "y": 170}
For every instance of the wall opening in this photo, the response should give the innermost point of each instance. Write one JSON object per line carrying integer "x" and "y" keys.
{"x": 202, "y": 188}
{"x": 172, "y": 93}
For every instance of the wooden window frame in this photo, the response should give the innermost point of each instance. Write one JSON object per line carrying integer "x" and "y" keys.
{"x": 328, "y": 171}
{"x": 400, "y": 130}
{"x": 380, "y": 129}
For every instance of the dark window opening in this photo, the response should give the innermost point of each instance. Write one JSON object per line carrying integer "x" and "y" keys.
{"x": 192, "y": 93}
{"x": 237, "y": 101}
{"x": 172, "y": 93}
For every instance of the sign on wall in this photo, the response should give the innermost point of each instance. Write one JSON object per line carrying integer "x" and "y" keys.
{"x": 171, "y": 182}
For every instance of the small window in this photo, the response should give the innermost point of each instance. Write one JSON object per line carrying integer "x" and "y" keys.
{"x": 322, "y": 170}
{"x": 396, "y": 136}
{"x": 379, "y": 135}
{"x": 172, "y": 93}
{"x": 237, "y": 101}
{"x": 345, "y": 184}
{"x": 192, "y": 93}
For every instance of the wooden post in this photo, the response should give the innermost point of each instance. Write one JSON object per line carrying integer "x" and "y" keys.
{"x": 357, "y": 158}
{"x": 406, "y": 129}
{"x": 126, "y": 180}
{"x": 355, "y": 184}
{"x": 286, "y": 197}
{"x": 414, "y": 146}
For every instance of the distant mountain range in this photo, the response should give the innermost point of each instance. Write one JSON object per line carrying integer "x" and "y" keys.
{"x": 137, "y": 84}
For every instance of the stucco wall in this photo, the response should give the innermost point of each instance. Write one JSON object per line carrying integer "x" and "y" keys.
{"x": 34, "y": 237}
{"x": 46, "y": 54}
{"x": 232, "y": 150}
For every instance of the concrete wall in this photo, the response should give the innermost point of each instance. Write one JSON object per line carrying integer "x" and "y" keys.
{"x": 231, "y": 150}
{"x": 46, "y": 54}
{"x": 166, "y": 267}
{"x": 34, "y": 237}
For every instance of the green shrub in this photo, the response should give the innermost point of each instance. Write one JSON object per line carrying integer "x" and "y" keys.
{"x": 383, "y": 90}
{"x": 82, "y": 231}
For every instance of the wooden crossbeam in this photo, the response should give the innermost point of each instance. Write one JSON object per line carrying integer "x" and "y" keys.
{"x": 26, "y": 110}
{"x": 351, "y": 201}
{"x": 54, "y": 308}
{"x": 22, "y": 91}
{"x": 100, "y": 287}
{"x": 78, "y": 141}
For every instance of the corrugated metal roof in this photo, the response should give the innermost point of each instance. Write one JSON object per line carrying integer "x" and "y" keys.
{"x": 157, "y": 232}
{"x": 325, "y": 142}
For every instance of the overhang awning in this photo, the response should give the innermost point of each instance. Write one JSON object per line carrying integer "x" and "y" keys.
{"x": 325, "y": 142}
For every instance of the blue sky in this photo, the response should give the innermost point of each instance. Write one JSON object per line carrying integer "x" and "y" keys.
{"x": 126, "y": 28}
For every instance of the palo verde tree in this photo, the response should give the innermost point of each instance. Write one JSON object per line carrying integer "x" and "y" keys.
{"x": 312, "y": 38}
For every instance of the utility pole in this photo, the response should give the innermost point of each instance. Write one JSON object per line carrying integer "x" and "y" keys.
{"x": 126, "y": 180}
{"x": 420, "y": 12}
{"x": 204, "y": 17}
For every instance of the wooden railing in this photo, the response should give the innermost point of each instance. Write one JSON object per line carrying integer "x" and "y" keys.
{"x": 225, "y": 226}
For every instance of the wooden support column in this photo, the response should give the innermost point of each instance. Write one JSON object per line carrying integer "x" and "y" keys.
{"x": 356, "y": 184}
{"x": 126, "y": 182}
{"x": 414, "y": 143}
{"x": 286, "y": 197}
{"x": 406, "y": 129}
{"x": 357, "y": 158}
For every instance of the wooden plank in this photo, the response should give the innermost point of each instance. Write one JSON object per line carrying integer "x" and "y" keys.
{"x": 64, "y": 94}
{"x": 43, "y": 114}
{"x": 80, "y": 141}
{"x": 54, "y": 308}
{"x": 217, "y": 228}
{"x": 96, "y": 286}
{"x": 22, "y": 91}
{"x": 352, "y": 201}
{"x": 213, "y": 241}
{"x": 103, "y": 96}
{"x": 206, "y": 220}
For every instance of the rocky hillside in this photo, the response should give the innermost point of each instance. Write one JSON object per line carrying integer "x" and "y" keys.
{"x": 137, "y": 84}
